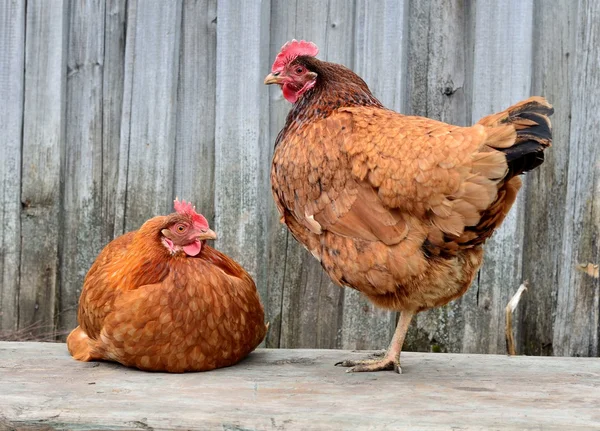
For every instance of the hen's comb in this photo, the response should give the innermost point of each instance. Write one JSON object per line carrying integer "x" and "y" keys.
{"x": 186, "y": 208}
{"x": 291, "y": 50}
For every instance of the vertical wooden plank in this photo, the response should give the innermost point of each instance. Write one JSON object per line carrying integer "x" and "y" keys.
{"x": 115, "y": 24}
{"x": 291, "y": 269}
{"x": 195, "y": 140}
{"x": 43, "y": 136}
{"x": 437, "y": 49}
{"x": 241, "y": 134}
{"x": 379, "y": 45}
{"x": 553, "y": 56}
{"x": 121, "y": 186}
{"x": 148, "y": 126}
{"x": 577, "y": 321}
{"x": 305, "y": 307}
{"x": 437, "y": 87}
{"x": 501, "y": 77}
{"x": 81, "y": 216}
{"x": 12, "y": 58}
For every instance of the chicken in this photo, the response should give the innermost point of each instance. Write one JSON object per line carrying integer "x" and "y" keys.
{"x": 397, "y": 207}
{"x": 160, "y": 299}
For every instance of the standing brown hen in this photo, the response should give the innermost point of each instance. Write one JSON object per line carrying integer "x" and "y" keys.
{"x": 397, "y": 207}
{"x": 160, "y": 299}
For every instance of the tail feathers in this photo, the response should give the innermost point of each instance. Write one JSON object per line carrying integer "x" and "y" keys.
{"x": 492, "y": 217}
{"x": 522, "y": 133}
{"x": 80, "y": 345}
{"x": 530, "y": 120}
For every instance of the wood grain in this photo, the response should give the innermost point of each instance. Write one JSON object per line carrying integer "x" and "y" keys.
{"x": 306, "y": 307}
{"x": 12, "y": 55}
{"x": 377, "y": 36}
{"x": 280, "y": 389}
{"x": 151, "y": 117}
{"x": 577, "y": 320}
{"x": 503, "y": 48}
{"x": 241, "y": 135}
{"x": 114, "y": 107}
{"x": 113, "y": 80}
{"x": 43, "y": 149}
{"x": 438, "y": 87}
{"x": 81, "y": 230}
{"x": 196, "y": 97}
{"x": 546, "y": 193}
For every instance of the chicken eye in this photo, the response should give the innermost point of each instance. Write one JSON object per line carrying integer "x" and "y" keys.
{"x": 180, "y": 228}
{"x": 299, "y": 70}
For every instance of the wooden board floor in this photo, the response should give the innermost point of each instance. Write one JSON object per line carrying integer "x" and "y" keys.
{"x": 41, "y": 387}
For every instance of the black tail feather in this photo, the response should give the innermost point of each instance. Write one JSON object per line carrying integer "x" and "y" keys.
{"x": 534, "y": 135}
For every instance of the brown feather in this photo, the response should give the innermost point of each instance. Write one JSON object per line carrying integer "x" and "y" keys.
{"x": 404, "y": 203}
{"x": 146, "y": 308}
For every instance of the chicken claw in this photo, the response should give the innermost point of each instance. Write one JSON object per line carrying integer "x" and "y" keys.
{"x": 391, "y": 358}
{"x": 385, "y": 364}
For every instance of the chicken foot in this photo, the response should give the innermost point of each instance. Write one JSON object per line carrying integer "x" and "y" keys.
{"x": 391, "y": 359}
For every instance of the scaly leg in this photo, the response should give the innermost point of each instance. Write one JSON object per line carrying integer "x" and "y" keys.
{"x": 391, "y": 359}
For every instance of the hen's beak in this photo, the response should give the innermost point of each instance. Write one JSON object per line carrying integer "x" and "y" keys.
{"x": 209, "y": 234}
{"x": 273, "y": 78}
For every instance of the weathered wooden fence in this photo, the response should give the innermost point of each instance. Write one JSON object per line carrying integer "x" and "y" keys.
{"x": 111, "y": 108}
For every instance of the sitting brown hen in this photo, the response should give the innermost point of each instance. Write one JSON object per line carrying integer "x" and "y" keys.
{"x": 397, "y": 207}
{"x": 160, "y": 299}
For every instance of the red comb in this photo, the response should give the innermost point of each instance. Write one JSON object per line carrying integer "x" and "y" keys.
{"x": 291, "y": 50}
{"x": 186, "y": 208}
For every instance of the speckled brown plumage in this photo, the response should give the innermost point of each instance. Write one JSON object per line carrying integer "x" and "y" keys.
{"x": 147, "y": 308}
{"x": 396, "y": 206}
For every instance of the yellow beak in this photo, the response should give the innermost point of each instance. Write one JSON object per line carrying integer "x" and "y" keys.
{"x": 209, "y": 234}
{"x": 273, "y": 79}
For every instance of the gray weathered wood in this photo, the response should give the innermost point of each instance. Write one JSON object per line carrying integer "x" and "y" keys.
{"x": 437, "y": 87}
{"x": 113, "y": 68}
{"x": 195, "y": 141}
{"x": 307, "y": 308}
{"x": 149, "y": 113}
{"x": 80, "y": 238}
{"x": 241, "y": 134}
{"x": 378, "y": 46}
{"x": 578, "y": 304}
{"x": 12, "y": 58}
{"x": 300, "y": 389}
{"x": 503, "y": 48}
{"x": 296, "y": 282}
{"x": 120, "y": 186}
{"x": 111, "y": 108}
{"x": 553, "y": 49}
{"x": 43, "y": 145}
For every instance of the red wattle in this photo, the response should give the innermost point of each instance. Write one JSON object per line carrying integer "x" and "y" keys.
{"x": 193, "y": 249}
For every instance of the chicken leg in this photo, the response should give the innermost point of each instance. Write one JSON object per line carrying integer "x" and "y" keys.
{"x": 391, "y": 359}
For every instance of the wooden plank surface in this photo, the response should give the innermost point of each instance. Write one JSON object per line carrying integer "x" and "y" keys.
{"x": 300, "y": 389}
{"x": 43, "y": 145}
{"x": 12, "y": 58}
